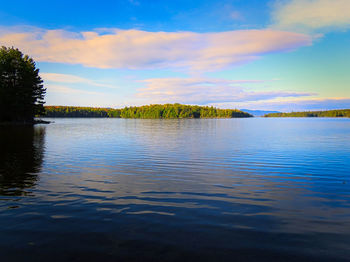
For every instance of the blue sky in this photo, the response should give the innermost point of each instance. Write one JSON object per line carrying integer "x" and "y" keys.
{"x": 273, "y": 55}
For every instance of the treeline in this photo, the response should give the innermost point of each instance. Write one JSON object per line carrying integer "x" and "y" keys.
{"x": 73, "y": 111}
{"x": 149, "y": 111}
{"x": 328, "y": 113}
{"x": 180, "y": 111}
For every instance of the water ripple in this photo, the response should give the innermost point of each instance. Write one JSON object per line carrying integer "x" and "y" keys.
{"x": 275, "y": 187}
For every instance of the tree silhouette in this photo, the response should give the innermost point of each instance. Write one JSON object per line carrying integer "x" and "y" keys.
{"x": 21, "y": 88}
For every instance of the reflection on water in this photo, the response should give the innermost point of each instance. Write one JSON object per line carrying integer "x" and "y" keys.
{"x": 178, "y": 190}
{"x": 21, "y": 156}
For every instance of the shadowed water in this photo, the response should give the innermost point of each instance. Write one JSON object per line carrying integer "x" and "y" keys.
{"x": 176, "y": 190}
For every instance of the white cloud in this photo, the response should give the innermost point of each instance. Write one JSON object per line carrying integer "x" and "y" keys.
{"x": 66, "y": 78}
{"x": 136, "y": 49}
{"x": 306, "y": 15}
{"x": 205, "y": 91}
{"x": 68, "y": 90}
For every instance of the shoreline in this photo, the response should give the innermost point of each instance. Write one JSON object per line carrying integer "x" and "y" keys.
{"x": 26, "y": 123}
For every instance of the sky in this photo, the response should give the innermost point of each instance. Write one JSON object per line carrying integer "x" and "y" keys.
{"x": 284, "y": 55}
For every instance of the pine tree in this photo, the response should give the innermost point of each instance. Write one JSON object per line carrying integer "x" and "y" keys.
{"x": 21, "y": 88}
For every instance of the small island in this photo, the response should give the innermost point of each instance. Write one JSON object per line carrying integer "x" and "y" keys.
{"x": 327, "y": 113}
{"x": 146, "y": 112}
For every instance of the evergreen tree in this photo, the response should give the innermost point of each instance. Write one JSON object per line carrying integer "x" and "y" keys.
{"x": 21, "y": 88}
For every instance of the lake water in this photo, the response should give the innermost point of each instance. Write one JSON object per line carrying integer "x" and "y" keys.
{"x": 258, "y": 189}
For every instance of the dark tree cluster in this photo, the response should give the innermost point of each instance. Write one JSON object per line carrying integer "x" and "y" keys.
{"x": 149, "y": 111}
{"x": 21, "y": 88}
{"x": 328, "y": 113}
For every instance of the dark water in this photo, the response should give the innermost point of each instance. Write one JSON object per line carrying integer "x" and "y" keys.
{"x": 176, "y": 190}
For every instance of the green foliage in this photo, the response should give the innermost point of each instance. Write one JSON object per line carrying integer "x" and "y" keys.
{"x": 329, "y": 113}
{"x": 21, "y": 88}
{"x": 180, "y": 111}
{"x": 149, "y": 111}
{"x": 72, "y": 111}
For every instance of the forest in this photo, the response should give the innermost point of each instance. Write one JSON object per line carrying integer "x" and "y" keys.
{"x": 74, "y": 111}
{"x": 148, "y": 111}
{"x": 328, "y": 113}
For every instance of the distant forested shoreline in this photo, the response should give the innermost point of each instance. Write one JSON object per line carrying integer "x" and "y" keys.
{"x": 328, "y": 113}
{"x": 149, "y": 111}
{"x": 75, "y": 111}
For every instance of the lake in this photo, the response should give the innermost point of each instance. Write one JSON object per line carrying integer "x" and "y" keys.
{"x": 255, "y": 189}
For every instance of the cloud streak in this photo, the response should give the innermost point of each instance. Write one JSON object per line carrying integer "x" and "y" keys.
{"x": 205, "y": 91}
{"x": 136, "y": 49}
{"x": 71, "y": 79}
{"x": 67, "y": 90}
{"x": 306, "y": 15}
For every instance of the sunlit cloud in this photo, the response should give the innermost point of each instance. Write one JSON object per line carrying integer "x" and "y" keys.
{"x": 71, "y": 79}
{"x": 136, "y": 49}
{"x": 205, "y": 91}
{"x": 306, "y": 15}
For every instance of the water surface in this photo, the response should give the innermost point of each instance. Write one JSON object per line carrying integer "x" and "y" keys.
{"x": 176, "y": 190}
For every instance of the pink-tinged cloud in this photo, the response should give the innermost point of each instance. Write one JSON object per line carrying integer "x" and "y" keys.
{"x": 205, "y": 91}
{"x": 311, "y": 15}
{"x": 136, "y": 49}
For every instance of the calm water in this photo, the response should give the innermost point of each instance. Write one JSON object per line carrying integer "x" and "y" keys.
{"x": 176, "y": 190}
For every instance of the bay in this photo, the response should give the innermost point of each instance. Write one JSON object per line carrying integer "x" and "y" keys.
{"x": 257, "y": 189}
